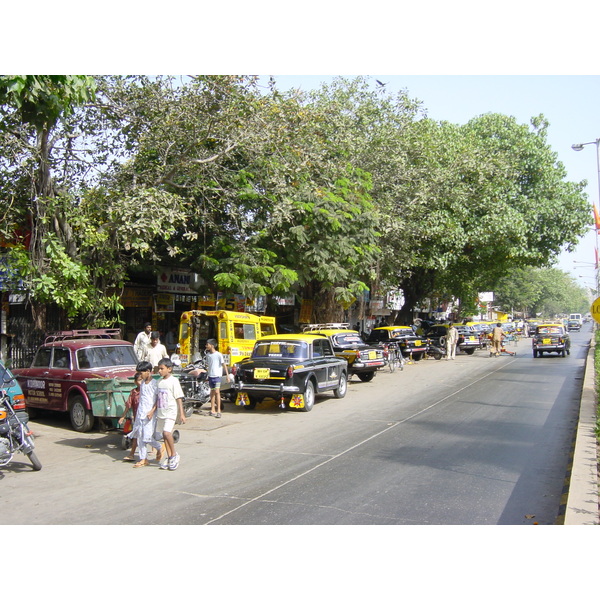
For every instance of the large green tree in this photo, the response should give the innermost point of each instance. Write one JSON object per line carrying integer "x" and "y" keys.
{"x": 541, "y": 291}
{"x": 270, "y": 207}
{"x": 80, "y": 238}
{"x": 269, "y": 192}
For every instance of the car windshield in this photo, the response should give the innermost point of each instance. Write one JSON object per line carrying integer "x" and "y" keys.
{"x": 555, "y": 329}
{"x": 280, "y": 349}
{"x": 401, "y": 332}
{"x": 106, "y": 356}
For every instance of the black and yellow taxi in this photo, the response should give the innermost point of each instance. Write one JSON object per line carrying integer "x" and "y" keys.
{"x": 364, "y": 360}
{"x": 411, "y": 345}
{"x": 292, "y": 369}
{"x": 551, "y": 337}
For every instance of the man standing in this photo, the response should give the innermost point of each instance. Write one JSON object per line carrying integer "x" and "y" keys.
{"x": 497, "y": 335}
{"x": 142, "y": 340}
{"x": 451, "y": 341}
{"x": 155, "y": 351}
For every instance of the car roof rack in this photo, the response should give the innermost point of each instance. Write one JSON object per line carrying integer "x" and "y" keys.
{"x": 59, "y": 336}
{"x": 313, "y": 326}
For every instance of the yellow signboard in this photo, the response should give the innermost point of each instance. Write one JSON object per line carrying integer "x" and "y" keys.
{"x": 595, "y": 309}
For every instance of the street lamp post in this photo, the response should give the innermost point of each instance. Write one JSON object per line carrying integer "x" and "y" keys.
{"x": 578, "y": 148}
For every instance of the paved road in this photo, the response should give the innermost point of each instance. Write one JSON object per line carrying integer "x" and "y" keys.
{"x": 478, "y": 440}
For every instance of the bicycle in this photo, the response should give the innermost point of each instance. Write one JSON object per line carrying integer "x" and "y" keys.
{"x": 394, "y": 358}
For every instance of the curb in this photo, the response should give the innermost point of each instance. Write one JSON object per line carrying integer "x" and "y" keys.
{"x": 583, "y": 498}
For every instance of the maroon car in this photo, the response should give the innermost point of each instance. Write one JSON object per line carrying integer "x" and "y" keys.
{"x": 57, "y": 378}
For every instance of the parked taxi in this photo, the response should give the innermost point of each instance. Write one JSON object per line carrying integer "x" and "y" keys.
{"x": 291, "y": 369}
{"x": 411, "y": 344}
{"x": 364, "y": 360}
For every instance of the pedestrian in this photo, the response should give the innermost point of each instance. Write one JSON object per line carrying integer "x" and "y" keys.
{"x": 142, "y": 340}
{"x": 451, "y": 342}
{"x": 497, "y": 337}
{"x": 215, "y": 364}
{"x": 145, "y": 420}
{"x": 154, "y": 351}
{"x": 169, "y": 409}
{"x": 132, "y": 405}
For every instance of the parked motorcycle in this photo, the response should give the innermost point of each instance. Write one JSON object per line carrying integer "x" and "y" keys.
{"x": 15, "y": 435}
{"x": 195, "y": 388}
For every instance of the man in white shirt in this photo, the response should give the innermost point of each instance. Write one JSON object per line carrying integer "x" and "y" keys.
{"x": 154, "y": 351}
{"x": 142, "y": 340}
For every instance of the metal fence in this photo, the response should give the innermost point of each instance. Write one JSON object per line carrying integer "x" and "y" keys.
{"x": 23, "y": 337}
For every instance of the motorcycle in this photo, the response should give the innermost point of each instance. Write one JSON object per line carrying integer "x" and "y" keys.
{"x": 15, "y": 435}
{"x": 195, "y": 387}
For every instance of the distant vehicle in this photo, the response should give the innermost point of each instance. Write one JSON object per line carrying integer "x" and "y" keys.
{"x": 576, "y": 317}
{"x": 573, "y": 325}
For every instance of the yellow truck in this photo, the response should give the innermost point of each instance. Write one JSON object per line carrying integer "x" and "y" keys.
{"x": 235, "y": 333}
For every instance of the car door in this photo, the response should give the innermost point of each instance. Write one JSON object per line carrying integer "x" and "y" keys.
{"x": 35, "y": 379}
{"x": 320, "y": 364}
{"x": 334, "y": 366}
{"x": 59, "y": 379}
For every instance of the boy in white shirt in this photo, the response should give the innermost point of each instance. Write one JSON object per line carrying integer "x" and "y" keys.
{"x": 215, "y": 364}
{"x": 168, "y": 403}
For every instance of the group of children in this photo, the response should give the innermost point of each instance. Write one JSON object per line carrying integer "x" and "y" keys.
{"x": 155, "y": 406}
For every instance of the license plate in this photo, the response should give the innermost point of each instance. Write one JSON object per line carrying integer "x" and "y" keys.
{"x": 262, "y": 373}
{"x": 546, "y": 341}
{"x": 417, "y": 342}
{"x": 472, "y": 338}
{"x": 372, "y": 355}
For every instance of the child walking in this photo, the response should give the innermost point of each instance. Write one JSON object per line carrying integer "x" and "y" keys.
{"x": 169, "y": 402}
{"x": 132, "y": 405}
{"x": 143, "y": 426}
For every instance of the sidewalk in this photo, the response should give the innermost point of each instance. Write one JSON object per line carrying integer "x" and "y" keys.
{"x": 582, "y": 500}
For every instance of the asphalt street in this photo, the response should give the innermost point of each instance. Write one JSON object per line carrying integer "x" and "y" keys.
{"x": 477, "y": 440}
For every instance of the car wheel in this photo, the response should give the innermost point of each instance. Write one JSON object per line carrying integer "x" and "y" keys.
{"x": 469, "y": 350}
{"x": 188, "y": 410}
{"x": 340, "y": 391}
{"x": 417, "y": 357}
{"x": 563, "y": 353}
{"x": 82, "y": 419}
{"x": 125, "y": 442}
{"x": 535, "y": 354}
{"x": 251, "y": 404}
{"x": 366, "y": 377}
{"x": 309, "y": 396}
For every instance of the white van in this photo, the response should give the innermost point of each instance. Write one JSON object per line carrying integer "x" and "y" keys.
{"x": 575, "y": 322}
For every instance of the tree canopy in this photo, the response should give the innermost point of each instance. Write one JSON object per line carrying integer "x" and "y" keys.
{"x": 261, "y": 192}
